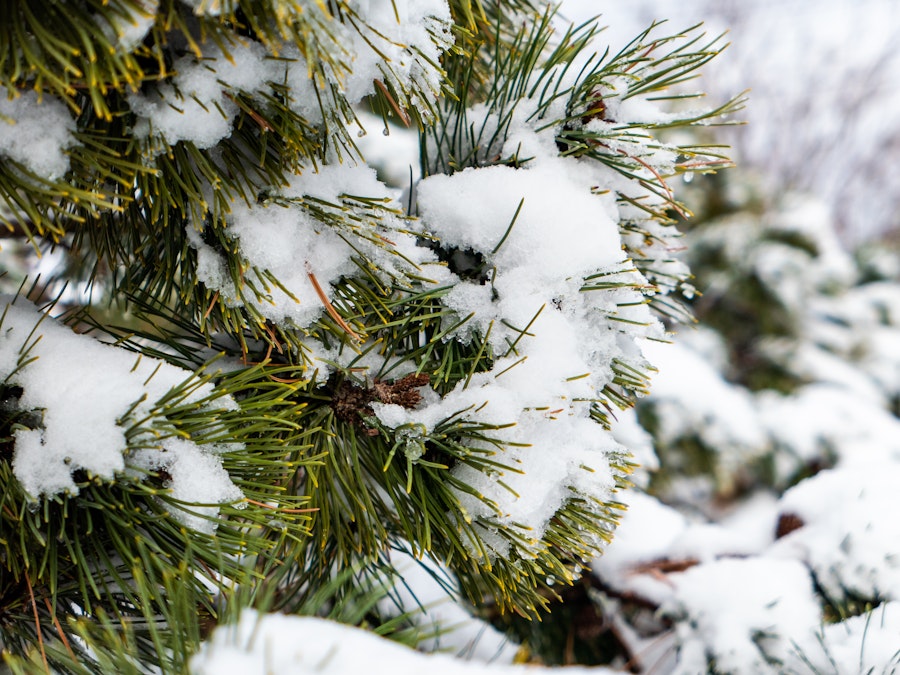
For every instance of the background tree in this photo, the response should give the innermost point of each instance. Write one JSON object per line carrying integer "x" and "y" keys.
{"x": 760, "y": 538}
{"x": 294, "y": 368}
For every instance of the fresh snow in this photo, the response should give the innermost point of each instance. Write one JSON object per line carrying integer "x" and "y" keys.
{"x": 852, "y": 550}
{"x": 738, "y": 594}
{"x": 87, "y": 398}
{"x": 196, "y": 105}
{"x": 285, "y": 240}
{"x": 396, "y": 42}
{"x": 869, "y": 643}
{"x": 36, "y": 132}
{"x": 734, "y": 572}
{"x": 542, "y": 230}
{"x": 294, "y": 645}
{"x": 129, "y": 28}
{"x": 426, "y": 594}
{"x": 741, "y": 614}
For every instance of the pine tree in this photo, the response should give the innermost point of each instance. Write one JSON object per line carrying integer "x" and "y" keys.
{"x": 292, "y": 368}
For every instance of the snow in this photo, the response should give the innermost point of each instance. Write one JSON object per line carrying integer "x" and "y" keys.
{"x": 297, "y": 234}
{"x": 756, "y": 613}
{"x": 573, "y": 229}
{"x": 742, "y": 614}
{"x": 738, "y": 592}
{"x": 195, "y": 105}
{"x": 691, "y": 398}
{"x": 735, "y": 593}
{"x": 409, "y": 35}
{"x": 395, "y": 154}
{"x": 648, "y": 531}
{"x": 395, "y": 42}
{"x": 861, "y": 325}
{"x": 93, "y": 403}
{"x": 852, "y": 550}
{"x": 129, "y": 28}
{"x": 652, "y": 533}
{"x": 820, "y": 420}
{"x": 713, "y": 550}
{"x": 195, "y": 477}
{"x": 861, "y": 644}
{"x": 541, "y": 230}
{"x": 557, "y": 462}
{"x": 206, "y": 7}
{"x": 425, "y": 593}
{"x": 542, "y": 460}
{"x": 36, "y": 131}
{"x": 295, "y": 645}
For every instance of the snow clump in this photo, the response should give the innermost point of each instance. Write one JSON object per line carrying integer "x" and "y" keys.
{"x": 296, "y": 645}
{"x": 90, "y": 402}
{"x": 295, "y": 240}
{"x": 36, "y": 132}
{"x": 740, "y": 614}
{"x": 394, "y": 43}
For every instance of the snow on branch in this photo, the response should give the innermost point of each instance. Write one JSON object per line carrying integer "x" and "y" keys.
{"x": 89, "y": 411}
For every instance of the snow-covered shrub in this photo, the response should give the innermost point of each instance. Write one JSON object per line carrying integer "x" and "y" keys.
{"x": 791, "y": 365}
{"x": 776, "y": 431}
{"x": 861, "y": 644}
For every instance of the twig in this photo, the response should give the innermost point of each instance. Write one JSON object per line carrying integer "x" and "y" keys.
{"x": 643, "y": 56}
{"x": 662, "y": 182}
{"x": 212, "y": 304}
{"x": 332, "y": 312}
{"x": 286, "y": 380}
{"x": 37, "y": 624}
{"x": 402, "y": 114}
{"x": 253, "y": 114}
{"x": 271, "y": 333}
{"x": 59, "y": 629}
{"x": 705, "y": 162}
{"x": 280, "y": 510}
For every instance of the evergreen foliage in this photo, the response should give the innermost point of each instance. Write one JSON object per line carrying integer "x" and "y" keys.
{"x": 305, "y": 399}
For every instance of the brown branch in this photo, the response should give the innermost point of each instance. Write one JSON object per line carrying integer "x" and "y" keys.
{"x": 662, "y": 182}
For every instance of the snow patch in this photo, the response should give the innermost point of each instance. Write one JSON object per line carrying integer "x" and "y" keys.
{"x": 83, "y": 396}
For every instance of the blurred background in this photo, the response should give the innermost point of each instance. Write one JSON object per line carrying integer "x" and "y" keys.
{"x": 824, "y": 109}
